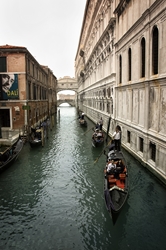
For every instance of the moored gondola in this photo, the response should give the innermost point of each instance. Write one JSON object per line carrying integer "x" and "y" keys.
{"x": 35, "y": 139}
{"x": 10, "y": 154}
{"x": 116, "y": 185}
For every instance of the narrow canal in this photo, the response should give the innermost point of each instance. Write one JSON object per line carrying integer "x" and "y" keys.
{"x": 52, "y": 198}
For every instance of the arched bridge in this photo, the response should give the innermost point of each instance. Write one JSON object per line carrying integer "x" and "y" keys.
{"x": 67, "y": 83}
{"x": 69, "y": 101}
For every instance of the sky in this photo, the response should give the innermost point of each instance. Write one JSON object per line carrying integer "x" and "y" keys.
{"x": 50, "y": 30}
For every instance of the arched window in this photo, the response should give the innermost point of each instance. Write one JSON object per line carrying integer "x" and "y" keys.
{"x": 129, "y": 64}
{"x": 155, "y": 51}
{"x": 143, "y": 57}
{"x": 120, "y": 69}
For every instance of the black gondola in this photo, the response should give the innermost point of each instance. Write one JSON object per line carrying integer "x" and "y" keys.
{"x": 35, "y": 139}
{"x": 10, "y": 154}
{"x": 97, "y": 138}
{"x": 116, "y": 185}
{"x": 83, "y": 122}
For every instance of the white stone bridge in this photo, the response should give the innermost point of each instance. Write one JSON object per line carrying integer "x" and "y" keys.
{"x": 67, "y": 83}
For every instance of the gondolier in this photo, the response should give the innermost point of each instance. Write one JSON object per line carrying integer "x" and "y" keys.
{"x": 101, "y": 123}
{"x": 117, "y": 137}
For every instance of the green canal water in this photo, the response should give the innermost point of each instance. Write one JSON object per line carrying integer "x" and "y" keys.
{"x": 51, "y": 198}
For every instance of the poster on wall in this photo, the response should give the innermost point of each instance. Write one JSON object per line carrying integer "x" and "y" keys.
{"x": 9, "y": 86}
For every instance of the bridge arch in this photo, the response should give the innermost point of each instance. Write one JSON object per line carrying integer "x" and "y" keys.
{"x": 70, "y": 102}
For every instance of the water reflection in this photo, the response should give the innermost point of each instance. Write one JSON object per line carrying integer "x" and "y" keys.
{"x": 52, "y": 198}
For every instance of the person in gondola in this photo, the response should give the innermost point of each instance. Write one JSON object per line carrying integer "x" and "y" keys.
{"x": 119, "y": 169}
{"x": 117, "y": 138}
{"x": 120, "y": 166}
{"x": 95, "y": 133}
{"x": 111, "y": 167}
{"x": 99, "y": 135}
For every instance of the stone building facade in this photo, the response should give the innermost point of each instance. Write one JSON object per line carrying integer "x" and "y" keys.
{"x": 120, "y": 67}
{"x": 27, "y": 92}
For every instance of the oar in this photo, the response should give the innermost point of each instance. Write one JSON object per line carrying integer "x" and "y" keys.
{"x": 108, "y": 127}
{"x": 102, "y": 152}
{"x": 75, "y": 119}
{"x": 88, "y": 131}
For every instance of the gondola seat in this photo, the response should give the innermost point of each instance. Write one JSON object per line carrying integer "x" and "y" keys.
{"x": 111, "y": 181}
{"x": 122, "y": 177}
{"x": 120, "y": 184}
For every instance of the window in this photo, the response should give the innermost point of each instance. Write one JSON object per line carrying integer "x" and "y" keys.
{"x": 141, "y": 144}
{"x": 112, "y": 108}
{"x": 33, "y": 70}
{"x": 28, "y": 65}
{"x": 120, "y": 69}
{"x": 5, "y": 117}
{"x": 100, "y": 106}
{"x": 128, "y": 137}
{"x": 34, "y": 92}
{"x": 155, "y": 51}
{"x": 152, "y": 151}
{"x": 129, "y": 64}
{"x": 108, "y": 107}
{"x": 143, "y": 57}
{"x": 108, "y": 92}
{"x": 104, "y": 92}
{"x": 29, "y": 90}
{"x": 3, "y": 67}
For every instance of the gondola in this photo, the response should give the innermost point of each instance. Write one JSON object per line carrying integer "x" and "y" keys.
{"x": 97, "y": 138}
{"x": 10, "y": 154}
{"x": 82, "y": 122}
{"x": 116, "y": 185}
{"x": 35, "y": 139}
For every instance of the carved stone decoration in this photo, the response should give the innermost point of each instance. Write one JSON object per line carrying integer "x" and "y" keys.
{"x": 121, "y": 7}
{"x": 81, "y": 53}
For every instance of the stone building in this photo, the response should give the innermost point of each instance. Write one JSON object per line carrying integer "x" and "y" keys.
{"x": 27, "y": 92}
{"x": 120, "y": 67}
